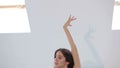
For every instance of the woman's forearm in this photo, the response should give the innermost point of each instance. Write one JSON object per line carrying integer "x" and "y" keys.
{"x": 69, "y": 36}
{"x": 73, "y": 48}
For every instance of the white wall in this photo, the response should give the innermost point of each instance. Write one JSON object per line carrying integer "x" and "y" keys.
{"x": 91, "y": 31}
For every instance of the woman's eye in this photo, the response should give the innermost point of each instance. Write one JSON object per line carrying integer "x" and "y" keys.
{"x": 60, "y": 57}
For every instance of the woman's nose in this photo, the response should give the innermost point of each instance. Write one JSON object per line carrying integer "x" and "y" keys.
{"x": 55, "y": 59}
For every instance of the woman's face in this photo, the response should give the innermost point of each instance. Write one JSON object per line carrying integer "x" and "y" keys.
{"x": 60, "y": 61}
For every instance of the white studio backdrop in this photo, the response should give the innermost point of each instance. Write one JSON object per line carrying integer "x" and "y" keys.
{"x": 97, "y": 44}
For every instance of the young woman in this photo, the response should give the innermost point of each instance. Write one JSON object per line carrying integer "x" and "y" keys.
{"x": 63, "y": 58}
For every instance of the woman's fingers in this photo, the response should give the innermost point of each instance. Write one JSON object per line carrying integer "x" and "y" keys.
{"x": 73, "y": 18}
{"x": 70, "y": 19}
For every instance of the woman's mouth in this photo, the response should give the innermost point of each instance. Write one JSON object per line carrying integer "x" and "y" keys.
{"x": 56, "y": 63}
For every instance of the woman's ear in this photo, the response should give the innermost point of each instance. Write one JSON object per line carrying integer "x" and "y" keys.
{"x": 67, "y": 63}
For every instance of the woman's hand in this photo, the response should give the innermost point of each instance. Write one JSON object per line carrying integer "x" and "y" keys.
{"x": 70, "y": 19}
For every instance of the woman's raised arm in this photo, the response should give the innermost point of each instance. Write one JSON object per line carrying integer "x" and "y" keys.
{"x": 72, "y": 44}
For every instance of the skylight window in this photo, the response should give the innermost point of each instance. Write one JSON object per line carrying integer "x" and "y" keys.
{"x": 116, "y": 16}
{"x": 13, "y": 17}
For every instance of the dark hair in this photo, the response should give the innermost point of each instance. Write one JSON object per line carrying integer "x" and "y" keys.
{"x": 68, "y": 56}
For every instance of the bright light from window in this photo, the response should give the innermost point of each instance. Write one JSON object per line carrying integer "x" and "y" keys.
{"x": 116, "y": 16}
{"x": 13, "y": 17}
